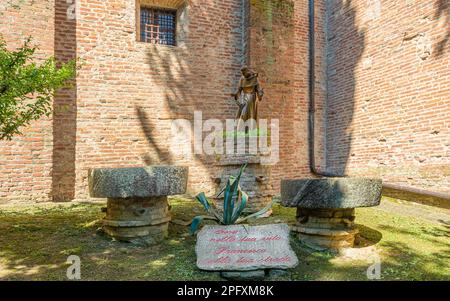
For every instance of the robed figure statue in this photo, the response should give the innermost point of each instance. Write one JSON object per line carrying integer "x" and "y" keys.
{"x": 247, "y": 97}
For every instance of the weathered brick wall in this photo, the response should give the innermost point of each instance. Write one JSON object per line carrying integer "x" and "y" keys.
{"x": 129, "y": 92}
{"x": 64, "y": 106}
{"x": 26, "y": 161}
{"x": 389, "y": 91}
{"x": 279, "y": 52}
{"x": 381, "y": 83}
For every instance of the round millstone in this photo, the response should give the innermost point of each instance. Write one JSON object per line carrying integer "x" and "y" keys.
{"x": 139, "y": 182}
{"x": 331, "y": 193}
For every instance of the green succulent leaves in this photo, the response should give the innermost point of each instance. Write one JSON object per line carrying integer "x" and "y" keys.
{"x": 234, "y": 203}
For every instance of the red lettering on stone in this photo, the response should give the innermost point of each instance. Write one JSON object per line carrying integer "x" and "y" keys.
{"x": 226, "y": 250}
{"x": 223, "y": 239}
{"x": 221, "y": 260}
{"x": 272, "y": 238}
{"x": 222, "y": 231}
{"x": 271, "y": 259}
{"x": 244, "y": 260}
{"x": 248, "y": 239}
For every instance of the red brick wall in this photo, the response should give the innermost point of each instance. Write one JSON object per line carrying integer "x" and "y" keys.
{"x": 279, "y": 52}
{"x": 26, "y": 161}
{"x": 130, "y": 92}
{"x": 127, "y": 92}
{"x": 64, "y": 106}
{"x": 388, "y": 91}
{"x": 383, "y": 95}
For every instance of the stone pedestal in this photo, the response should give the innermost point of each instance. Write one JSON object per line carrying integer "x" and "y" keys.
{"x": 326, "y": 228}
{"x": 255, "y": 181}
{"x": 137, "y": 207}
{"x": 128, "y": 219}
{"x": 325, "y": 208}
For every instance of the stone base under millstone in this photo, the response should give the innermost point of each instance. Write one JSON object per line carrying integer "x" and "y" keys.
{"x": 323, "y": 229}
{"x": 137, "y": 220}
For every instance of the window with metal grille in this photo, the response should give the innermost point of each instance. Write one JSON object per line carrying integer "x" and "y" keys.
{"x": 158, "y": 26}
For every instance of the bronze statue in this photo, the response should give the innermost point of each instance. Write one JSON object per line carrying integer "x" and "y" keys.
{"x": 248, "y": 95}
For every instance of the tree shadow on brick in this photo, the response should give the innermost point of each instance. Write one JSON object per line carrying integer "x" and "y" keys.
{"x": 191, "y": 77}
{"x": 163, "y": 155}
{"x": 345, "y": 49}
{"x": 442, "y": 12}
{"x": 64, "y": 110}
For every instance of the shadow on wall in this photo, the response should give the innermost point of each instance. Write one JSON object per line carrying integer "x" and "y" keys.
{"x": 64, "y": 110}
{"x": 346, "y": 43}
{"x": 187, "y": 78}
{"x": 171, "y": 75}
{"x": 163, "y": 155}
{"x": 442, "y": 12}
{"x": 345, "y": 48}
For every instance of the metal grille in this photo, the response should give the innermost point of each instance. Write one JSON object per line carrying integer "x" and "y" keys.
{"x": 158, "y": 26}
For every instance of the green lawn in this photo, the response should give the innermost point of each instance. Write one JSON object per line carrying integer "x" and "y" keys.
{"x": 35, "y": 242}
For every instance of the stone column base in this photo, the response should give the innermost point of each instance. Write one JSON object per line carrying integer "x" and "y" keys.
{"x": 323, "y": 229}
{"x": 137, "y": 219}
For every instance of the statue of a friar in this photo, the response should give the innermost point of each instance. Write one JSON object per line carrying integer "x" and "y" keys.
{"x": 248, "y": 95}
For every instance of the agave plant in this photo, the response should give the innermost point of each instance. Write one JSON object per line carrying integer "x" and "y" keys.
{"x": 234, "y": 203}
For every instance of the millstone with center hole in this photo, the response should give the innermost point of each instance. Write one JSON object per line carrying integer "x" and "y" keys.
{"x": 326, "y": 208}
{"x": 137, "y": 207}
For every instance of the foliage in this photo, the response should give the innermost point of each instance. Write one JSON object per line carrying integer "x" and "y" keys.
{"x": 234, "y": 202}
{"x": 26, "y": 88}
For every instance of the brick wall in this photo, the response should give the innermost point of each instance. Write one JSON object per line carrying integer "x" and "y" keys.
{"x": 381, "y": 87}
{"x": 279, "y": 52}
{"x": 129, "y": 92}
{"x": 388, "y": 91}
{"x": 64, "y": 106}
{"x": 26, "y": 161}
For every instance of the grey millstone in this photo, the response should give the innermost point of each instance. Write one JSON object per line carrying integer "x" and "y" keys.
{"x": 244, "y": 276}
{"x": 331, "y": 193}
{"x": 140, "y": 182}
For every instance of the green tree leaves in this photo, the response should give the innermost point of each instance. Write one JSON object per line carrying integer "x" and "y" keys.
{"x": 26, "y": 87}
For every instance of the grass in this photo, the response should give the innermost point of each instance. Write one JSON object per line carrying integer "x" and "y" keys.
{"x": 35, "y": 242}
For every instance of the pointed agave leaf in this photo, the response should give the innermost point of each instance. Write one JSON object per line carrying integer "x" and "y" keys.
{"x": 195, "y": 224}
{"x": 198, "y": 220}
{"x": 257, "y": 214}
{"x": 232, "y": 178}
{"x": 211, "y": 210}
{"x": 222, "y": 191}
{"x": 201, "y": 197}
{"x": 243, "y": 199}
{"x": 230, "y": 194}
{"x": 227, "y": 203}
